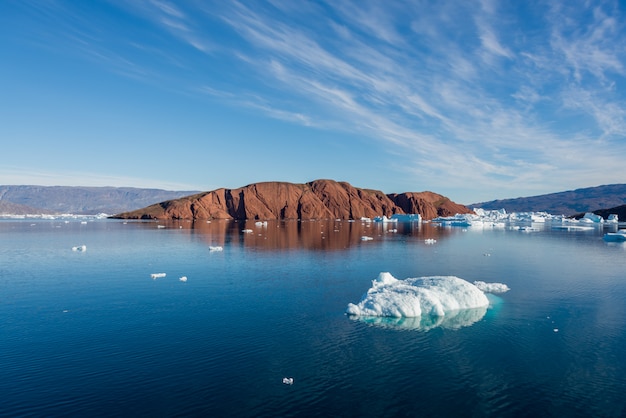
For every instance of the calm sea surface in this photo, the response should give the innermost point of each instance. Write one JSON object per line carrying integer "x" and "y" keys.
{"x": 90, "y": 333}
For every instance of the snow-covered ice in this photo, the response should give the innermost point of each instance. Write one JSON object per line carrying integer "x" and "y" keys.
{"x": 424, "y": 302}
{"x": 288, "y": 380}
{"x": 414, "y": 297}
{"x": 491, "y": 287}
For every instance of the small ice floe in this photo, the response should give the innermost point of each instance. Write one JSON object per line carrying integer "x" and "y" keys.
{"x": 618, "y": 236}
{"x": 366, "y": 238}
{"x": 183, "y": 279}
{"x": 83, "y": 222}
{"x": 79, "y": 248}
{"x": 555, "y": 330}
{"x": 160, "y": 226}
{"x": 247, "y": 231}
{"x": 259, "y": 223}
{"x": 491, "y": 287}
{"x": 216, "y": 248}
{"x": 430, "y": 241}
{"x": 288, "y": 380}
{"x": 158, "y": 275}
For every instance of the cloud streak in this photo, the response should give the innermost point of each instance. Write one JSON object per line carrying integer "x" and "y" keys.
{"x": 511, "y": 96}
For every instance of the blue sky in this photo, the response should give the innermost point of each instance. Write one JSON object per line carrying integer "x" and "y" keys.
{"x": 476, "y": 100}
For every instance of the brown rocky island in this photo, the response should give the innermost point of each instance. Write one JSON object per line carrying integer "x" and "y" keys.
{"x": 319, "y": 199}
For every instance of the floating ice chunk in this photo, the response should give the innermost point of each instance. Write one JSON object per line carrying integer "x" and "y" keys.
{"x": 216, "y": 248}
{"x": 491, "y": 287}
{"x": 158, "y": 275}
{"x": 366, "y": 238}
{"x": 412, "y": 217}
{"x": 592, "y": 218}
{"x": 615, "y": 236}
{"x": 183, "y": 279}
{"x": 160, "y": 226}
{"x": 80, "y": 248}
{"x": 414, "y": 297}
{"x": 430, "y": 241}
{"x": 385, "y": 219}
{"x": 259, "y": 223}
{"x": 288, "y": 380}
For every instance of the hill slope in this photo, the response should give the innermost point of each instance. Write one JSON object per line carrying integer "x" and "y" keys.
{"x": 319, "y": 199}
{"x": 82, "y": 200}
{"x": 563, "y": 203}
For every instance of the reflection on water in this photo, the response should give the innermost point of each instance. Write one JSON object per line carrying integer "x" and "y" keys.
{"x": 451, "y": 320}
{"x": 311, "y": 235}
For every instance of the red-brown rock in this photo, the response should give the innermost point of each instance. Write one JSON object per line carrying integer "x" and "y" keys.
{"x": 319, "y": 199}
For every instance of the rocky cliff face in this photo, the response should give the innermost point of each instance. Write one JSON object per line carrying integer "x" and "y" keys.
{"x": 319, "y": 199}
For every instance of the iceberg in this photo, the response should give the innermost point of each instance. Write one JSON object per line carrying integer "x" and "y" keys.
{"x": 618, "y": 236}
{"x": 414, "y": 297}
{"x": 412, "y": 217}
{"x": 385, "y": 219}
{"x": 592, "y": 218}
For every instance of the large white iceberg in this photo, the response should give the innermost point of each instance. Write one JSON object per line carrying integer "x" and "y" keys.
{"x": 414, "y": 297}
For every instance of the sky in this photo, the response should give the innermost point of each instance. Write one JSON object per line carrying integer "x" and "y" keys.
{"x": 475, "y": 100}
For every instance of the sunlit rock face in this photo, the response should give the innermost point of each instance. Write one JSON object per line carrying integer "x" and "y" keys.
{"x": 319, "y": 199}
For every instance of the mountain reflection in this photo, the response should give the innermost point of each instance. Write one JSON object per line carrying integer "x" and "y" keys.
{"x": 312, "y": 235}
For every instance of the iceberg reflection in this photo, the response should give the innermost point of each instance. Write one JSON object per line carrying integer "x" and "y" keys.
{"x": 452, "y": 320}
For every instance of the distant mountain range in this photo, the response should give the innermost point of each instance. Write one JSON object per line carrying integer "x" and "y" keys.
{"x": 568, "y": 203}
{"x": 23, "y": 200}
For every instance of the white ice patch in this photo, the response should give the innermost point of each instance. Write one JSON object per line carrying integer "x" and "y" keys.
{"x": 492, "y": 287}
{"x": 414, "y": 297}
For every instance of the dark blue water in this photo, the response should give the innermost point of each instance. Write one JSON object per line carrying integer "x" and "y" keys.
{"x": 92, "y": 334}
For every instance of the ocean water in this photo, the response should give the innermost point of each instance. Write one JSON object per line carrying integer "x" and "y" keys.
{"x": 90, "y": 333}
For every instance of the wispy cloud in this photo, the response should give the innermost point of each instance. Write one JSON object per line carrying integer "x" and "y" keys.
{"x": 511, "y": 96}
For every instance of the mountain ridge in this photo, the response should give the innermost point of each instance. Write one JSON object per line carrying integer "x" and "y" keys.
{"x": 318, "y": 199}
{"x": 570, "y": 202}
{"x": 83, "y": 200}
